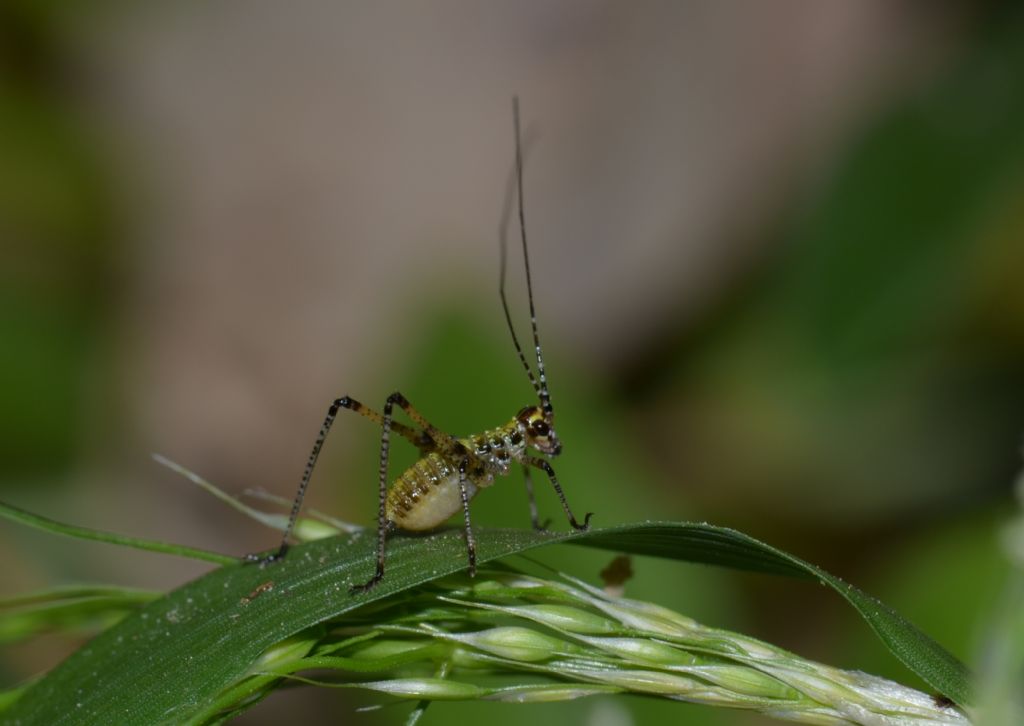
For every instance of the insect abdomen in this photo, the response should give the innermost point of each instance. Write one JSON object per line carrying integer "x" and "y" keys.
{"x": 426, "y": 494}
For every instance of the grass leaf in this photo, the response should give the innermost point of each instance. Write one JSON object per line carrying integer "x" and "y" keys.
{"x": 169, "y": 661}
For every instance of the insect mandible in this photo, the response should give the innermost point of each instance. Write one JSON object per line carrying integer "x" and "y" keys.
{"x": 451, "y": 470}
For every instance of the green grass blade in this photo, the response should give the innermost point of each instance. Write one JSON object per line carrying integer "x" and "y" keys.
{"x": 71, "y": 610}
{"x": 169, "y": 661}
{"x": 305, "y": 528}
{"x": 63, "y": 593}
{"x": 20, "y": 516}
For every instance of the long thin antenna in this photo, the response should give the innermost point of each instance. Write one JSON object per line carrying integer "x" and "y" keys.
{"x": 510, "y": 194}
{"x": 542, "y": 388}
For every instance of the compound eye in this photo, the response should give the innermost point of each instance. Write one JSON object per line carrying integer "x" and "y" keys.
{"x": 540, "y": 428}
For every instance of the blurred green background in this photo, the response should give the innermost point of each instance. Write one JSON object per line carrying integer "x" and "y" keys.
{"x": 777, "y": 256}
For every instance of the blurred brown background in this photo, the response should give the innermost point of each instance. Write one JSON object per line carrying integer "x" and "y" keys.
{"x": 777, "y": 255}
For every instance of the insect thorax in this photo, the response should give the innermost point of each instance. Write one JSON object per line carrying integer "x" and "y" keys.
{"x": 496, "y": 449}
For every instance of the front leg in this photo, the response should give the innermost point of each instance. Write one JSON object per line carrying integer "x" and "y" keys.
{"x": 543, "y": 464}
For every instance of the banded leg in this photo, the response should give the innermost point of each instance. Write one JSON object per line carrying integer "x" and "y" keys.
{"x": 543, "y": 464}
{"x": 534, "y": 517}
{"x": 416, "y": 437}
{"x": 383, "y": 525}
{"x": 470, "y": 540}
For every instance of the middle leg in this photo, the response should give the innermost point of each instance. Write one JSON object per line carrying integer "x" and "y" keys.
{"x": 383, "y": 524}
{"x": 470, "y": 540}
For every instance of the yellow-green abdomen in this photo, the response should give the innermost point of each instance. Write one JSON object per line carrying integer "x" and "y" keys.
{"x": 426, "y": 494}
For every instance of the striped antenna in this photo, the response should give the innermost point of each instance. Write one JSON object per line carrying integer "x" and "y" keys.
{"x": 540, "y": 382}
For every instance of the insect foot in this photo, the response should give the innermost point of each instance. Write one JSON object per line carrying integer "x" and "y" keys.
{"x": 542, "y": 526}
{"x": 586, "y": 523}
{"x": 264, "y": 560}
{"x": 367, "y": 586}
